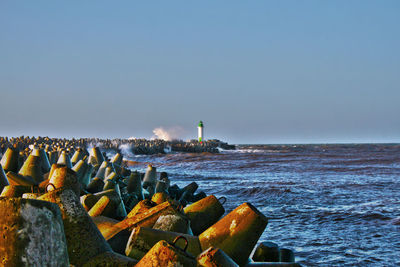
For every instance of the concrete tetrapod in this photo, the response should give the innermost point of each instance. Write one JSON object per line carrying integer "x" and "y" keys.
{"x": 85, "y": 242}
{"x": 103, "y": 207}
{"x": 63, "y": 177}
{"x": 117, "y": 242}
{"x": 145, "y": 219}
{"x": 237, "y": 233}
{"x": 15, "y": 190}
{"x": 191, "y": 188}
{"x": 103, "y": 222}
{"x": 32, "y": 233}
{"x": 78, "y": 155}
{"x": 187, "y": 193}
{"x": 64, "y": 159}
{"x": 141, "y": 207}
{"x": 142, "y": 239}
{"x": 150, "y": 179}
{"x": 266, "y": 252}
{"x": 96, "y": 158}
{"x": 110, "y": 169}
{"x": 161, "y": 186}
{"x": 178, "y": 223}
{"x": 53, "y": 156}
{"x": 174, "y": 191}
{"x": 165, "y": 254}
{"x": 88, "y": 201}
{"x": 32, "y": 167}
{"x": 9, "y": 161}
{"x": 3, "y": 179}
{"x": 198, "y": 196}
{"x": 135, "y": 185}
{"x": 111, "y": 175}
{"x": 18, "y": 179}
{"x": 111, "y": 182}
{"x": 130, "y": 201}
{"x": 215, "y": 257}
{"x": 164, "y": 178}
{"x": 115, "y": 197}
{"x": 286, "y": 255}
{"x": 44, "y": 160}
{"x": 160, "y": 197}
{"x": 52, "y": 168}
{"x": 102, "y": 170}
{"x": 96, "y": 185}
{"x": 125, "y": 171}
{"x": 204, "y": 213}
{"x": 83, "y": 171}
{"x": 117, "y": 159}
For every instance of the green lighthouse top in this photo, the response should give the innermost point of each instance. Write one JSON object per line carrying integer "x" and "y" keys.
{"x": 201, "y": 124}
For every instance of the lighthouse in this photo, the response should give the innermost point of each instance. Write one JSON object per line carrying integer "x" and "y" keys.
{"x": 200, "y": 131}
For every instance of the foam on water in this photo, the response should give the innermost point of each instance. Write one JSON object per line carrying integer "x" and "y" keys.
{"x": 332, "y": 204}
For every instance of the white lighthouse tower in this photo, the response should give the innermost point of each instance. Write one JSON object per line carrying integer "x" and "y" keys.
{"x": 200, "y": 131}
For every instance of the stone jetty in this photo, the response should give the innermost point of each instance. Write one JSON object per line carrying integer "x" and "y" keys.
{"x": 64, "y": 203}
{"x": 135, "y": 146}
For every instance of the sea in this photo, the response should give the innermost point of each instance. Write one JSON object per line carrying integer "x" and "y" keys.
{"x": 333, "y": 205}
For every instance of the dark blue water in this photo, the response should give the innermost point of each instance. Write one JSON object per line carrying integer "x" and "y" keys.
{"x": 333, "y": 204}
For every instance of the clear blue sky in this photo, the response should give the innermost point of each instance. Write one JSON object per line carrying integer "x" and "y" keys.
{"x": 253, "y": 71}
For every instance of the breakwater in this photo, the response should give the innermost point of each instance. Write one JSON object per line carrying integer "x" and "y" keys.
{"x": 135, "y": 146}
{"x": 88, "y": 209}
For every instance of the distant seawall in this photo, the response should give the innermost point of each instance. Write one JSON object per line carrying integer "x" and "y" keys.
{"x": 135, "y": 146}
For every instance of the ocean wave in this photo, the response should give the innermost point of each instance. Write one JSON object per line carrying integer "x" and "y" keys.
{"x": 250, "y": 151}
{"x": 257, "y": 191}
{"x": 396, "y": 221}
{"x": 358, "y": 217}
